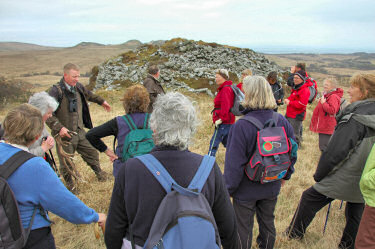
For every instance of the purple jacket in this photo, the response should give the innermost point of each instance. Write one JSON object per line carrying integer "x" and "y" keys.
{"x": 240, "y": 146}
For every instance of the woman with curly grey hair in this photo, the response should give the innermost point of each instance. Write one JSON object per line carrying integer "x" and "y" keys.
{"x": 137, "y": 194}
{"x": 46, "y": 105}
{"x": 135, "y": 102}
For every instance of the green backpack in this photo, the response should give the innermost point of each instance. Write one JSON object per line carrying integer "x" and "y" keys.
{"x": 138, "y": 141}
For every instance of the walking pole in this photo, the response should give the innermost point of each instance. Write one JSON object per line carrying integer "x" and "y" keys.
{"x": 325, "y": 224}
{"x": 213, "y": 140}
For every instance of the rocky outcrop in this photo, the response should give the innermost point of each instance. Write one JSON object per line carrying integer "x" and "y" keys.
{"x": 183, "y": 64}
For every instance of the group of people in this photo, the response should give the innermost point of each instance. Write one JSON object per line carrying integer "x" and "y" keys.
{"x": 172, "y": 120}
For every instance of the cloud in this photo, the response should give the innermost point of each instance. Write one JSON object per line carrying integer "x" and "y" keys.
{"x": 265, "y": 22}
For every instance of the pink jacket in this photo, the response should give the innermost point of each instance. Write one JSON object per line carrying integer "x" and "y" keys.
{"x": 324, "y": 116}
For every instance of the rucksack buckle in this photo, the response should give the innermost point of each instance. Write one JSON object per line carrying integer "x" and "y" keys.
{"x": 277, "y": 158}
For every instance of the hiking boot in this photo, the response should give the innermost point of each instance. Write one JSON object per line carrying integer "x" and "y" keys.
{"x": 291, "y": 235}
{"x": 102, "y": 176}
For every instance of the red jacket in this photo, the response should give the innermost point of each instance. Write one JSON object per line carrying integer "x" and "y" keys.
{"x": 324, "y": 116}
{"x": 240, "y": 85}
{"x": 298, "y": 102}
{"x": 222, "y": 104}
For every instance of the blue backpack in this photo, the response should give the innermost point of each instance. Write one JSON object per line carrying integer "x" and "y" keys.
{"x": 184, "y": 219}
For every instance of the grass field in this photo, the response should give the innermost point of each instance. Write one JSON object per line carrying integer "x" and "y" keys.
{"x": 97, "y": 194}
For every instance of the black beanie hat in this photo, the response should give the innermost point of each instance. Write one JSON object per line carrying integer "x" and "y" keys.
{"x": 301, "y": 74}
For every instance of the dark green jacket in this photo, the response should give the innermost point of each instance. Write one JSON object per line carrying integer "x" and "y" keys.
{"x": 341, "y": 164}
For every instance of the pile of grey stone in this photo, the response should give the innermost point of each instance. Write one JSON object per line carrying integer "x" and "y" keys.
{"x": 189, "y": 60}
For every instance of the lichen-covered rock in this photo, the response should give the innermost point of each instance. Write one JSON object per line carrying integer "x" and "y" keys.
{"x": 183, "y": 64}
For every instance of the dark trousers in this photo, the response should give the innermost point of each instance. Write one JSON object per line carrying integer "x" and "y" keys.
{"x": 41, "y": 238}
{"x": 264, "y": 210}
{"x": 323, "y": 141}
{"x": 311, "y": 202}
{"x": 220, "y": 136}
{"x": 297, "y": 127}
{"x": 89, "y": 154}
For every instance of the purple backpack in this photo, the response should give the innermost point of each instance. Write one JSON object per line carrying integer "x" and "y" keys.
{"x": 272, "y": 156}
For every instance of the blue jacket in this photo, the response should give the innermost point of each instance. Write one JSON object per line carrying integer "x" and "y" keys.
{"x": 34, "y": 184}
{"x": 240, "y": 147}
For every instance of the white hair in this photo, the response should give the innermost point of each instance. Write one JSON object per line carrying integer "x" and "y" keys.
{"x": 258, "y": 93}
{"x": 43, "y": 101}
{"x": 173, "y": 120}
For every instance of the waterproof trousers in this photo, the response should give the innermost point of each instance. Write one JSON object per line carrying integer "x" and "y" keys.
{"x": 311, "y": 202}
{"x": 264, "y": 211}
{"x": 297, "y": 127}
{"x": 40, "y": 238}
{"x": 220, "y": 136}
{"x": 89, "y": 154}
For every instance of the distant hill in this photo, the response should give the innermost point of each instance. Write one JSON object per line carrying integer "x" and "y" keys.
{"x": 131, "y": 44}
{"x": 88, "y": 44}
{"x": 20, "y": 46}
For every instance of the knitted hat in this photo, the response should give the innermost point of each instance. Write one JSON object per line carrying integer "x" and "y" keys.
{"x": 223, "y": 73}
{"x": 301, "y": 74}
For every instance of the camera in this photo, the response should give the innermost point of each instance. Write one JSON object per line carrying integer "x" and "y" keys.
{"x": 73, "y": 105}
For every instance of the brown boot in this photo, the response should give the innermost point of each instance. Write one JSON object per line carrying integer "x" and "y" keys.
{"x": 102, "y": 176}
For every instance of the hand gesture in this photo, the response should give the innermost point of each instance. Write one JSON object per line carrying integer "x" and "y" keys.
{"x": 112, "y": 156}
{"x": 106, "y": 106}
{"x": 102, "y": 219}
{"x": 218, "y": 122}
{"x": 293, "y": 69}
{"x": 287, "y": 101}
{"x": 64, "y": 132}
{"x": 48, "y": 143}
{"x": 323, "y": 100}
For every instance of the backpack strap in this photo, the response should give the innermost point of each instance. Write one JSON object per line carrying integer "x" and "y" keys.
{"x": 129, "y": 121}
{"x": 202, "y": 174}
{"x": 254, "y": 121}
{"x": 14, "y": 162}
{"x": 158, "y": 171}
{"x": 162, "y": 175}
{"x": 275, "y": 117}
{"x": 145, "y": 124}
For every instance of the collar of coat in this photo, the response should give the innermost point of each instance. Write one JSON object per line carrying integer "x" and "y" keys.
{"x": 226, "y": 83}
{"x": 152, "y": 77}
{"x": 353, "y": 106}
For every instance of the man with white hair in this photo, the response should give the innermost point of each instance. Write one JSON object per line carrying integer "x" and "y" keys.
{"x": 134, "y": 204}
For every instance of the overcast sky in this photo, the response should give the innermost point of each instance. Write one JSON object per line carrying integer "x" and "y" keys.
{"x": 335, "y": 24}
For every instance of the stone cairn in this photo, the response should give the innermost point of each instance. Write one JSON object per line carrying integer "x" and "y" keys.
{"x": 184, "y": 64}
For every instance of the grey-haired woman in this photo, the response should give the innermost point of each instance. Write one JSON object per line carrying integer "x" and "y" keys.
{"x": 46, "y": 105}
{"x": 137, "y": 194}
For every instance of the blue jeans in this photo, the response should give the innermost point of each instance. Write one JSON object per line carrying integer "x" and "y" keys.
{"x": 220, "y": 135}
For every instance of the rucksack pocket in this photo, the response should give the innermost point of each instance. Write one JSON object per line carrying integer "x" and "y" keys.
{"x": 275, "y": 172}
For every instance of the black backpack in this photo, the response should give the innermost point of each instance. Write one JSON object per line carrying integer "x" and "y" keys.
{"x": 12, "y": 233}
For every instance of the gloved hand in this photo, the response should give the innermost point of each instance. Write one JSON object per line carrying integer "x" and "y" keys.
{"x": 218, "y": 122}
